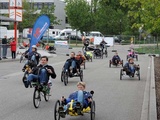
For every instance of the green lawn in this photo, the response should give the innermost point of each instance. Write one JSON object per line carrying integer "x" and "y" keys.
{"x": 149, "y": 49}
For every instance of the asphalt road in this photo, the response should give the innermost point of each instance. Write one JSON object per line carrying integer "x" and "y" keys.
{"x": 115, "y": 99}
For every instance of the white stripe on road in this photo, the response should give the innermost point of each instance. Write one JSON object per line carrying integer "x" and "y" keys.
{"x": 20, "y": 73}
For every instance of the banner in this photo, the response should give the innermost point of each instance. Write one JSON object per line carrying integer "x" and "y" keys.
{"x": 39, "y": 28}
{"x": 109, "y": 40}
{"x": 62, "y": 47}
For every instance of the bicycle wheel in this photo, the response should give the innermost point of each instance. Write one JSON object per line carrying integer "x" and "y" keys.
{"x": 62, "y": 76}
{"x": 56, "y": 112}
{"x": 106, "y": 53}
{"x": 65, "y": 78}
{"x": 121, "y": 73}
{"x": 93, "y": 108}
{"x": 138, "y": 74}
{"x": 81, "y": 75}
{"x": 122, "y": 63}
{"x": 36, "y": 98}
{"x": 110, "y": 63}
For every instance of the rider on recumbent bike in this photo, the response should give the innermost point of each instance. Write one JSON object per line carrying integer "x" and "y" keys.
{"x": 72, "y": 65}
{"x": 130, "y": 67}
{"x": 82, "y": 101}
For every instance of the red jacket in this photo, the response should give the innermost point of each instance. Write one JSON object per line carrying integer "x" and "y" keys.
{"x": 13, "y": 45}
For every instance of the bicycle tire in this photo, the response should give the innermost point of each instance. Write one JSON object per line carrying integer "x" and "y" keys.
{"x": 36, "y": 98}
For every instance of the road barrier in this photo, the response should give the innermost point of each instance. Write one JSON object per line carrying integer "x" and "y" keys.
{"x": 62, "y": 47}
{"x": 8, "y": 51}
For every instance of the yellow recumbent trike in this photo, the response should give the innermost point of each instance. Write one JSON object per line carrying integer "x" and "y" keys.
{"x": 74, "y": 109}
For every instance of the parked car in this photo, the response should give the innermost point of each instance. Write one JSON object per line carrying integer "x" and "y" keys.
{"x": 74, "y": 37}
{"x": 117, "y": 39}
{"x": 45, "y": 38}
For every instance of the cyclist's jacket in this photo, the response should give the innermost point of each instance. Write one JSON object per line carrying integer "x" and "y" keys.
{"x": 116, "y": 57}
{"x": 74, "y": 96}
{"x": 80, "y": 58}
{"x": 37, "y": 70}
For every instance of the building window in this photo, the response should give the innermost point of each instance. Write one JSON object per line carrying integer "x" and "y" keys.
{"x": 1, "y": 5}
{"x": 4, "y": 5}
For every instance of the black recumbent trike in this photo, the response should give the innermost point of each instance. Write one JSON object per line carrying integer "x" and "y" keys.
{"x": 126, "y": 71}
{"x": 65, "y": 74}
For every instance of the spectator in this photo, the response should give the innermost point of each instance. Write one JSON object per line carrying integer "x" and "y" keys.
{"x": 42, "y": 72}
{"x": 4, "y": 46}
{"x": 13, "y": 48}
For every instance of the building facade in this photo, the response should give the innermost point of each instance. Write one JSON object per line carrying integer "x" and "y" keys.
{"x": 39, "y": 4}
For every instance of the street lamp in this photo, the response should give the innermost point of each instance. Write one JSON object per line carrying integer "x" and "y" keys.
{"x": 120, "y": 28}
{"x": 140, "y": 32}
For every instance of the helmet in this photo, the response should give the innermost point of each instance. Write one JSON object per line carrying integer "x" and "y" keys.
{"x": 34, "y": 46}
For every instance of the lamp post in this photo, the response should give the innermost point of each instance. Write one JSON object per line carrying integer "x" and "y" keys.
{"x": 140, "y": 32}
{"x": 120, "y": 28}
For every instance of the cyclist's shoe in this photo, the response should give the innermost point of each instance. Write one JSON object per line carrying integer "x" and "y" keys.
{"x": 61, "y": 112}
{"x": 26, "y": 84}
{"x": 23, "y": 70}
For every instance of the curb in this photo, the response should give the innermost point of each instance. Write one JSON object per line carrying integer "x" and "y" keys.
{"x": 18, "y": 59}
{"x": 152, "y": 102}
{"x": 149, "y": 109}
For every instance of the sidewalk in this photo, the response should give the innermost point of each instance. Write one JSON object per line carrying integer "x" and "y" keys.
{"x": 149, "y": 110}
{"x": 42, "y": 52}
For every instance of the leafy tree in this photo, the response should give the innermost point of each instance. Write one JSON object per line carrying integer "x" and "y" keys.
{"x": 110, "y": 18}
{"x": 79, "y": 15}
{"x": 144, "y": 12}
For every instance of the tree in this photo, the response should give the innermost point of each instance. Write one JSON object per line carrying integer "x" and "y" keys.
{"x": 144, "y": 12}
{"x": 79, "y": 14}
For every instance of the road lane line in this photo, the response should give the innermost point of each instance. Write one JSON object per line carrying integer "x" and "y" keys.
{"x": 21, "y": 73}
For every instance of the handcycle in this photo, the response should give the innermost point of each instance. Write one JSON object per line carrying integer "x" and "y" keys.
{"x": 28, "y": 69}
{"x": 75, "y": 109}
{"x": 125, "y": 71}
{"x": 132, "y": 54}
{"x": 66, "y": 74}
{"x": 88, "y": 55}
{"x": 40, "y": 91}
{"x": 23, "y": 57}
{"x": 105, "y": 46}
{"x": 97, "y": 53}
{"x": 116, "y": 63}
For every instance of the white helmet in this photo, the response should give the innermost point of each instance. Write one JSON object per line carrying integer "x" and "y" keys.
{"x": 34, "y": 46}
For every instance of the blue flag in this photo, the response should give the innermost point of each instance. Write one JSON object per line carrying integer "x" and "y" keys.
{"x": 39, "y": 28}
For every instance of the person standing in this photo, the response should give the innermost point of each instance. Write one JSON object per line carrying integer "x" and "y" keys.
{"x": 13, "y": 48}
{"x": 4, "y": 47}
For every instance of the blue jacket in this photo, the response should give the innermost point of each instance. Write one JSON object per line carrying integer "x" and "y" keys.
{"x": 74, "y": 96}
{"x": 116, "y": 57}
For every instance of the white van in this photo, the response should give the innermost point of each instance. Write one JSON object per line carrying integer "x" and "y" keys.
{"x": 93, "y": 34}
{"x": 63, "y": 34}
{"x": 52, "y": 32}
{"x": 96, "y": 34}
